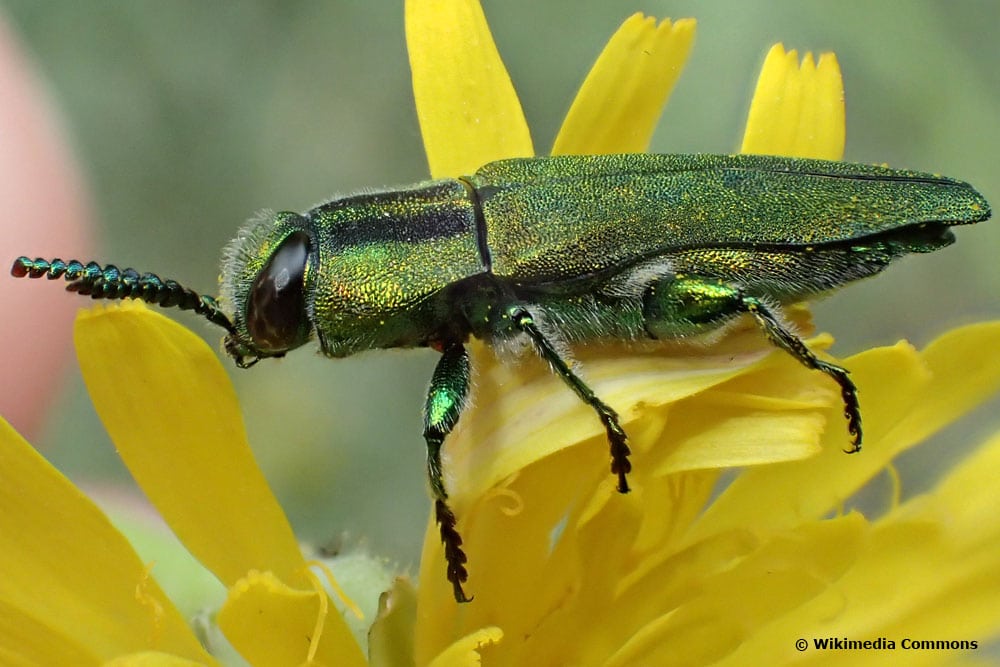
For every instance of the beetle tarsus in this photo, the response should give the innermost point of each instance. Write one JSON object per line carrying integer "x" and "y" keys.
{"x": 454, "y": 555}
{"x": 620, "y": 464}
{"x": 849, "y": 394}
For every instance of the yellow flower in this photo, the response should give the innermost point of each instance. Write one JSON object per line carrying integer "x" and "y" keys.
{"x": 696, "y": 566}
{"x": 684, "y": 570}
{"x": 74, "y": 592}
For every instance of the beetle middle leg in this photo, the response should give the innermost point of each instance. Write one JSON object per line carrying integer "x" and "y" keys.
{"x": 620, "y": 465}
{"x": 446, "y": 397}
{"x": 687, "y": 305}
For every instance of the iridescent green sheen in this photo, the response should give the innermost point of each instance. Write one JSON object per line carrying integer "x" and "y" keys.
{"x": 383, "y": 261}
{"x": 555, "y": 251}
{"x": 567, "y": 218}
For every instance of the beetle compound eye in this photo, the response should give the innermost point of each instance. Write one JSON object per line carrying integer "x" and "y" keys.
{"x": 276, "y": 307}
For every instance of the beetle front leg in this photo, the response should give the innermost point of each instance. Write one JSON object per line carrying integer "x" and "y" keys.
{"x": 620, "y": 465}
{"x": 688, "y": 305}
{"x": 446, "y": 398}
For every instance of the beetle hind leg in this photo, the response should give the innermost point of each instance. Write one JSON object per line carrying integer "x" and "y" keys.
{"x": 446, "y": 397}
{"x": 788, "y": 341}
{"x": 618, "y": 440}
{"x": 689, "y": 305}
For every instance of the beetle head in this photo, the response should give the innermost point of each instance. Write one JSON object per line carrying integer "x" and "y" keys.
{"x": 267, "y": 275}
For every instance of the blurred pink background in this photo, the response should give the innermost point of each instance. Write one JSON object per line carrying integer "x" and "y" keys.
{"x": 43, "y": 212}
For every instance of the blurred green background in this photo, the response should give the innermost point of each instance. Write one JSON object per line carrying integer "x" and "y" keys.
{"x": 189, "y": 116}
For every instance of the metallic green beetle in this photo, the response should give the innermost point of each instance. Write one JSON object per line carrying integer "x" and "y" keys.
{"x": 557, "y": 251}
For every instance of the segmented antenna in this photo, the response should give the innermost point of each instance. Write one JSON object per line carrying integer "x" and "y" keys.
{"x": 108, "y": 282}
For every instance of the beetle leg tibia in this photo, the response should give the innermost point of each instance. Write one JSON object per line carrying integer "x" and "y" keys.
{"x": 788, "y": 341}
{"x": 620, "y": 465}
{"x": 445, "y": 399}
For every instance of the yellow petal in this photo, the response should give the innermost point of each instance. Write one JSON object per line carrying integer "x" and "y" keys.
{"x": 273, "y": 625}
{"x": 965, "y": 371}
{"x": 72, "y": 587}
{"x": 147, "y": 659}
{"x": 970, "y": 518}
{"x": 172, "y": 413}
{"x": 775, "y": 412}
{"x": 620, "y": 102}
{"x": 782, "y": 495}
{"x": 797, "y": 111}
{"x": 509, "y": 573}
{"x": 26, "y": 639}
{"x": 465, "y": 651}
{"x": 528, "y": 413}
{"x": 905, "y": 396}
{"x": 712, "y": 598}
{"x": 468, "y": 110}
{"x": 947, "y": 540}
